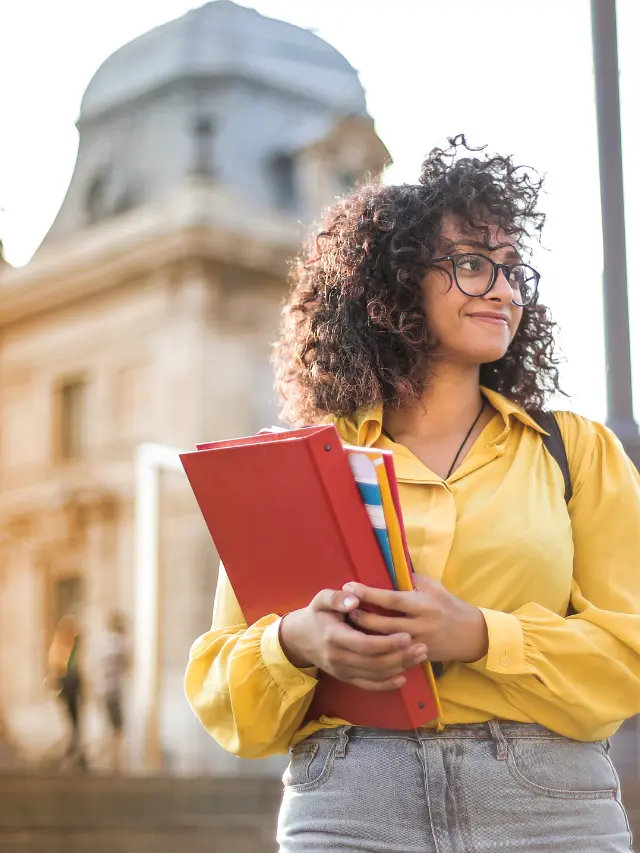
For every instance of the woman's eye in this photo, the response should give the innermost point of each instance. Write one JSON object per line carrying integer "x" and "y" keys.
{"x": 470, "y": 264}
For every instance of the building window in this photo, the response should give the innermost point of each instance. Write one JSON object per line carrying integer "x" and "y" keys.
{"x": 96, "y": 199}
{"x": 67, "y": 598}
{"x": 283, "y": 173}
{"x": 203, "y": 137}
{"x": 71, "y": 432}
{"x": 347, "y": 182}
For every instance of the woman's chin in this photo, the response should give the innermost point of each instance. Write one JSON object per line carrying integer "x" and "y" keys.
{"x": 489, "y": 347}
{"x": 471, "y": 353}
{"x": 485, "y": 355}
{"x": 494, "y": 355}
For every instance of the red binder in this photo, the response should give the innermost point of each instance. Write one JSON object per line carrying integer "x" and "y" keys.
{"x": 287, "y": 520}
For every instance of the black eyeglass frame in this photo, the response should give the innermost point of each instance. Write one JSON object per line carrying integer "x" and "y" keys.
{"x": 507, "y": 269}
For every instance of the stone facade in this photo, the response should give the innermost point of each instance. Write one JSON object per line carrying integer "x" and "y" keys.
{"x": 150, "y": 319}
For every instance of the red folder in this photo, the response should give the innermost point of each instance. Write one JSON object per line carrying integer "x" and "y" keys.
{"x": 287, "y": 520}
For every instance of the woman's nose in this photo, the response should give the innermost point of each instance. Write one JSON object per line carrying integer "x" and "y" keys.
{"x": 501, "y": 290}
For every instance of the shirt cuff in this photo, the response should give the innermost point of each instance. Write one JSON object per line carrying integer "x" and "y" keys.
{"x": 284, "y": 673}
{"x": 506, "y": 654}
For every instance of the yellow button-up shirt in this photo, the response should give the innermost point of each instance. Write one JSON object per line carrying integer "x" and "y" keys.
{"x": 498, "y": 534}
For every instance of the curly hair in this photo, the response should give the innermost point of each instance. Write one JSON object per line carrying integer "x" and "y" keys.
{"x": 354, "y": 330}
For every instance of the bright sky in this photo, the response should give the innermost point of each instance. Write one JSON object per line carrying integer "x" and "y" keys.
{"x": 514, "y": 74}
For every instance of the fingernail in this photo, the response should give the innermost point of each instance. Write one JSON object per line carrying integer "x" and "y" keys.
{"x": 349, "y": 601}
{"x": 347, "y": 587}
{"x": 422, "y": 658}
{"x": 355, "y": 614}
{"x": 420, "y": 650}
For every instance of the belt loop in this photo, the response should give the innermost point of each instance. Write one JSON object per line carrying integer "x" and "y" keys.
{"x": 343, "y": 740}
{"x": 502, "y": 749}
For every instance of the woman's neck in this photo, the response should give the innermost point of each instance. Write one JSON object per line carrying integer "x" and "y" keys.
{"x": 449, "y": 404}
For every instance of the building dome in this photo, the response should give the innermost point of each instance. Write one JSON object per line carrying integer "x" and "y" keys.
{"x": 224, "y": 97}
{"x": 222, "y": 39}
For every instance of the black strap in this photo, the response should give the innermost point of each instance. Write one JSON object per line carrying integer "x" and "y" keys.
{"x": 555, "y": 445}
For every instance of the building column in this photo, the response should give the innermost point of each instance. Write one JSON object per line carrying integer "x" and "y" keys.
{"x": 8, "y": 755}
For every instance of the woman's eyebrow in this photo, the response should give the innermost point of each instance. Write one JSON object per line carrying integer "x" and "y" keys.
{"x": 476, "y": 244}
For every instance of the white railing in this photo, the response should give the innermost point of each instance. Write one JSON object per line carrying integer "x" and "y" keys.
{"x": 150, "y": 461}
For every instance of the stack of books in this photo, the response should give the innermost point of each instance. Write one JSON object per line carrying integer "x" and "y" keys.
{"x": 292, "y": 512}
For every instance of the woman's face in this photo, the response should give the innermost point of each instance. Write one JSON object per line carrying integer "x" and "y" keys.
{"x": 471, "y": 330}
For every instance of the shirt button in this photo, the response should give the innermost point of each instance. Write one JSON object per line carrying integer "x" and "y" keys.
{"x": 504, "y": 661}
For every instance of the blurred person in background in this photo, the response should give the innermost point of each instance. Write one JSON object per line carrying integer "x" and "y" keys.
{"x": 64, "y": 674}
{"x": 414, "y": 324}
{"x": 114, "y": 666}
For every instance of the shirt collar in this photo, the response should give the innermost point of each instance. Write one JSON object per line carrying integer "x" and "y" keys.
{"x": 364, "y": 428}
{"x": 509, "y": 410}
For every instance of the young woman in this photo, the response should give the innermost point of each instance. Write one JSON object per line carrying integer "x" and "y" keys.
{"x": 414, "y": 322}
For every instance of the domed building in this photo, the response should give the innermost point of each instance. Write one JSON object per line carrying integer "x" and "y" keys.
{"x": 206, "y": 147}
{"x": 267, "y": 111}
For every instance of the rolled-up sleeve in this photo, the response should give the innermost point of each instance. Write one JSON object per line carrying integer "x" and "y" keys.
{"x": 241, "y": 685}
{"x": 581, "y": 673}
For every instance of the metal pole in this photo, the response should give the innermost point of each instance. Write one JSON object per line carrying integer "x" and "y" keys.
{"x": 626, "y": 745}
{"x": 605, "y": 56}
{"x": 616, "y": 308}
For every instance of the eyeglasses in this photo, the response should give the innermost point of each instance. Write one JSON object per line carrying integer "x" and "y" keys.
{"x": 476, "y": 274}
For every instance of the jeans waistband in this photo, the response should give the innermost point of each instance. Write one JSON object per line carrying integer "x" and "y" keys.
{"x": 495, "y": 730}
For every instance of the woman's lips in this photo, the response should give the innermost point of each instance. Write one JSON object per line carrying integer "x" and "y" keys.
{"x": 492, "y": 319}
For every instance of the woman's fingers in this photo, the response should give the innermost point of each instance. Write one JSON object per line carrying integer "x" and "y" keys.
{"x": 349, "y": 665}
{"x": 380, "y": 624}
{"x": 376, "y": 668}
{"x": 345, "y": 637}
{"x": 334, "y": 600}
{"x": 402, "y": 602}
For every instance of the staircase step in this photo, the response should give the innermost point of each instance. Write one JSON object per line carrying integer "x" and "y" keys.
{"x": 105, "y": 814}
{"x": 77, "y": 802}
{"x": 194, "y": 840}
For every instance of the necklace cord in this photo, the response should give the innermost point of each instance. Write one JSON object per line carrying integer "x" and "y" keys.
{"x": 464, "y": 441}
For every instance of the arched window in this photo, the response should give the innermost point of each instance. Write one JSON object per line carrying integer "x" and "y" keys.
{"x": 96, "y": 198}
{"x": 203, "y": 131}
{"x": 347, "y": 182}
{"x": 284, "y": 179}
{"x": 126, "y": 201}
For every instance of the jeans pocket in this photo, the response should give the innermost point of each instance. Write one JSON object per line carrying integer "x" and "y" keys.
{"x": 310, "y": 764}
{"x": 562, "y": 768}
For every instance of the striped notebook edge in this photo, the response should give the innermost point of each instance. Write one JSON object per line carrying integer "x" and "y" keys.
{"x": 366, "y": 477}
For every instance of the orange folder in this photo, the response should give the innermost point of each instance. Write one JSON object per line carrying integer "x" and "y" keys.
{"x": 287, "y": 520}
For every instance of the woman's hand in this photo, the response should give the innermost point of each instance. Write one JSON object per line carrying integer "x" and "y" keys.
{"x": 318, "y": 635}
{"x": 450, "y": 628}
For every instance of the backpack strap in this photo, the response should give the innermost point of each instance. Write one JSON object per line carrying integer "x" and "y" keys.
{"x": 555, "y": 445}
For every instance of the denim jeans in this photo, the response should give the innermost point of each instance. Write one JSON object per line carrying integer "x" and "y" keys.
{"x": 467, "y": 789}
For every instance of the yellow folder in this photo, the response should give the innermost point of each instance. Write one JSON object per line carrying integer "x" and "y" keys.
{"x": 403, "y": 572}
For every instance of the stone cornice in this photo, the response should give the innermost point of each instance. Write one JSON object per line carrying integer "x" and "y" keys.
{"x": 59, "y": 521}
{"x": 198, "y": 220}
